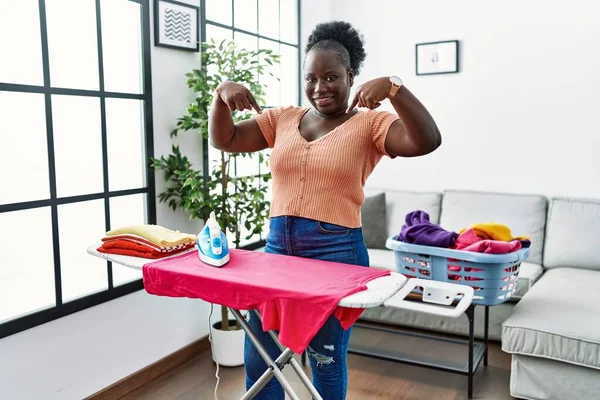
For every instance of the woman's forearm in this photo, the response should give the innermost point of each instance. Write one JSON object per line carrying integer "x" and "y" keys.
{"x": 220, "y": 123}
{"x": 421, "y": 130}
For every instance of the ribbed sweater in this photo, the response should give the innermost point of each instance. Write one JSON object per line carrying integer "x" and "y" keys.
{"x": 323, "y": 179}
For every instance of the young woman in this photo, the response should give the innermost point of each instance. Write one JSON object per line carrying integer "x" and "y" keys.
{"x": 321, "y": 157}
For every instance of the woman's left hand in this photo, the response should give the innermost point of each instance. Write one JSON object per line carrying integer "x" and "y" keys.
{"x": 370, "y": 94}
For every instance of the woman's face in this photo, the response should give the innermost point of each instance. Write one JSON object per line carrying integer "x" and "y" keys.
{"x": 327, "y": 81}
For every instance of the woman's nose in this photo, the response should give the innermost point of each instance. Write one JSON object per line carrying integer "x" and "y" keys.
{"x": 320, "y": 87}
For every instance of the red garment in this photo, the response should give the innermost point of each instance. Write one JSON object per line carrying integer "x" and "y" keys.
{"x": 294, "y": 295}
{"x": 469, "y": 241}
{"x": 143, "y": 241}
{"x": 131, "y": 248}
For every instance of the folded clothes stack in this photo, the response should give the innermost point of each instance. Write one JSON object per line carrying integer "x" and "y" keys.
{"x": 146, "y": 241}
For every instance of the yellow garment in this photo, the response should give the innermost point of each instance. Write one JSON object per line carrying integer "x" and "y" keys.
{"x": 156, "y": 234}
{"x": 494, "y": 231}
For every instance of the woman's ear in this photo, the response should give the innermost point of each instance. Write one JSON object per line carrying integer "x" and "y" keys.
{"x": 351, "y": 76}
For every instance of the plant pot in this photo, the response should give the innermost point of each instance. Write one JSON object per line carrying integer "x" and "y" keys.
{"x": 228, "y": 346}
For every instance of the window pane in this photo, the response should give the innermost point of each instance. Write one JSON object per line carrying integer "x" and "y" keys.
{"x": 288, "y": 24}
{"x": 244, "y": 41}
{"x": 219, "y": 11}
{"x": 72, "y": 44}
{"x": 80, "y": 225}
{"x": 248, "y": 42}
{"x": 122, "y": 46}
{"x": 289, "y": 75}
{"x": 271, "y": 73}
{"x": 24, "y": 150}
{"x": 268, "y": 18}
{"x": 20, "y": 43}
{"x": 124, "y": 211}
{"x": 247, "y": 165}
{"x": 214, "y": 157}
{"x": 218, "y": 34}
{"x": 77, "y": 145}
{"x": 245, "y": 15}
{"x": 125, "y": 135}
{"x": 26, "y": 278}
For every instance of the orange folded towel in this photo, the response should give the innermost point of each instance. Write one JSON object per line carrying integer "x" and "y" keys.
{"x": 156, "y": 234}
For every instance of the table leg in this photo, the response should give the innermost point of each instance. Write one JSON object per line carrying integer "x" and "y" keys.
{"x": 485, "y": 335}
{"x": 471, "y": 316}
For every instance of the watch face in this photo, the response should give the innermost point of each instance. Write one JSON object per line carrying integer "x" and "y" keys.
{"x": 396, "y": 81}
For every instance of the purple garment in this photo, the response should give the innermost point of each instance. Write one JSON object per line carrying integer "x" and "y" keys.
{"x": 418, "y": 230}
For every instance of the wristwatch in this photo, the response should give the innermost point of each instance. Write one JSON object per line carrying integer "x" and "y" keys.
{"x": 396, "y": 83}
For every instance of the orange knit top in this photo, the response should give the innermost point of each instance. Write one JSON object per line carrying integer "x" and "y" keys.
{"x": 323, "y": 179}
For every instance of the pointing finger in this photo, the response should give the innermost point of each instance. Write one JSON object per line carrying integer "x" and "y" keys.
{"x": 254, "y": 104}
{"x": 353, "y": 104}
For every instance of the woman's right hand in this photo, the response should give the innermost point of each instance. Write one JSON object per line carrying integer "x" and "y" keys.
{"x": 237, "y": 97}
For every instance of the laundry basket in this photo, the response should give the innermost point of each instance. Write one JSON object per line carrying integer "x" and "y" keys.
{"x": 492, "y": 276}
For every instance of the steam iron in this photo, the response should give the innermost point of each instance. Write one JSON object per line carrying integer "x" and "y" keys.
{"x": 213, "y": 248}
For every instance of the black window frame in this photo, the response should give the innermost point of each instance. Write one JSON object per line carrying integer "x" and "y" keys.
{"x": 61, "y": 309}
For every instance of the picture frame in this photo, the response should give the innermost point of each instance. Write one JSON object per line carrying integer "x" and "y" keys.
{"x": 176, "y": 25}
{"x": 435, "y": 58}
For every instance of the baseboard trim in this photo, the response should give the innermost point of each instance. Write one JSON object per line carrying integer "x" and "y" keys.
{"x": 151, "y": 372}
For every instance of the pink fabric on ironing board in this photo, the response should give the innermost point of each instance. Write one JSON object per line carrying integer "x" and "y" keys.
{"x": 294, "y": 295}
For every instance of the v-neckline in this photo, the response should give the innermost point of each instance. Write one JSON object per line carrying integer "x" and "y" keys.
{"x": 322, "y": 137}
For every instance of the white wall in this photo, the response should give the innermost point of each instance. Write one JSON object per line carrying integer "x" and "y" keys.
{"x": 78, "y": 355}
{"x": 521, "y": 116}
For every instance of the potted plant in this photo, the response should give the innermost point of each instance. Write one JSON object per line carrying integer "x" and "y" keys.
{"x": 238, "y": 201}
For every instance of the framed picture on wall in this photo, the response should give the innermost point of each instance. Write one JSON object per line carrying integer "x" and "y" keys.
{"x": 437, "y": 57}
{"x": 176, "y": 25}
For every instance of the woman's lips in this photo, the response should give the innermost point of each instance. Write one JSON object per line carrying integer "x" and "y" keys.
{"x": 323, "y": 101}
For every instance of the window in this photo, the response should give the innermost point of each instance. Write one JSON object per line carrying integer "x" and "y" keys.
{"x": 75, "y": 141}
{"x": 258, "y": 24}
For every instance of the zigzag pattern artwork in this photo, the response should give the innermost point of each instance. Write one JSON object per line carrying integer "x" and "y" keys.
{"x": 178, "y": 25}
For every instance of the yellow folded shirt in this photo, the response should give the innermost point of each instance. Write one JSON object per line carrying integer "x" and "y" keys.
{"x": 494, "y": 231}
{"x": 156, "y": 234}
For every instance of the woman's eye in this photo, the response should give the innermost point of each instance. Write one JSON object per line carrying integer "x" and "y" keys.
{"x": 309, "y": 79}
{"x": 331, "y": 78}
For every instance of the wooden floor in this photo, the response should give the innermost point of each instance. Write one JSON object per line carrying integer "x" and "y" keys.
{"x": 369, "y": 379}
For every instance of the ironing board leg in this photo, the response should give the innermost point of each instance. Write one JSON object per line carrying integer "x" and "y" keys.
{"x": 309, "y": 386}
{"x": 268, "y": 375}
{"x": 274, "y": 366}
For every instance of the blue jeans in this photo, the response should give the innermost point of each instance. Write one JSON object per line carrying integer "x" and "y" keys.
{"x": 327, "y": 351}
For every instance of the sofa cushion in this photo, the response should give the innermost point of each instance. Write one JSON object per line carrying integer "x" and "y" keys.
{"x": 558, "y": 319}
{"x": 528, "y": 275}
{"x": 399, "y": 203}
{"x": 525, "y": 215}
{"x": 382, "y": 259}
{"x": 373, "y": 215}
{"x": 573, "y": 234}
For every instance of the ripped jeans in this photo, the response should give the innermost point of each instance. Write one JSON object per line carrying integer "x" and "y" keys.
{"x": 327, "y": 350}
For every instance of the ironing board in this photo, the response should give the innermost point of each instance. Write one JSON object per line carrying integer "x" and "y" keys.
{"x": 388, "y": 291}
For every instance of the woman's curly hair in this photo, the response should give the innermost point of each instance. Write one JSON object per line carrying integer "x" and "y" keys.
{"x": 339, "y": 36}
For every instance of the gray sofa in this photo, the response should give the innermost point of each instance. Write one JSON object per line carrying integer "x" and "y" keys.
{"x": 551, "y": 326}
